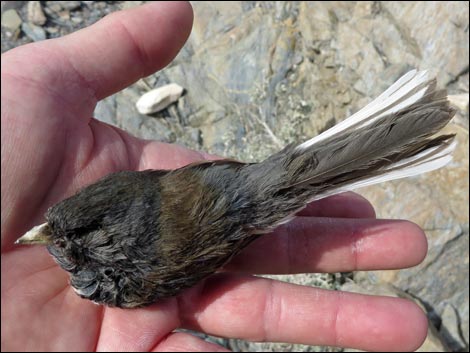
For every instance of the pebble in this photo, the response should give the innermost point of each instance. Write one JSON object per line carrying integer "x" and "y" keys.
{"x": 34, "y": 32}
{"x": 35, "y": 14}
{"x": 159, "y": 98}
{"x": 11, "y": 20}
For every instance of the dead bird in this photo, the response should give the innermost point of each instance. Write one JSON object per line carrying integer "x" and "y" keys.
{"x": 133, "y": 238}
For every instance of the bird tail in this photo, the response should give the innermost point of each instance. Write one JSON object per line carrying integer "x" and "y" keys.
{"x": 390, "y": 138}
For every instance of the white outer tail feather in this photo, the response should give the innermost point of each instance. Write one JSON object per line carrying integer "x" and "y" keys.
{"x": 406, "y": 91}
{"x": 427, "y": 165}
{"x": 406, "y": 85}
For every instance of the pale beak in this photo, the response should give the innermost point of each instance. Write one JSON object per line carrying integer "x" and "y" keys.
{"x": 38, "y": 235}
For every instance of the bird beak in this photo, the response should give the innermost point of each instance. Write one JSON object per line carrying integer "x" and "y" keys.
{"x": 38, "y": 235}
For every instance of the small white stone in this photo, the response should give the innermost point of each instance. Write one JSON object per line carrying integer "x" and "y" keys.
{"x": 159, "y": 98}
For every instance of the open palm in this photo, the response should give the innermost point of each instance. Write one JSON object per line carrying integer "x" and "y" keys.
{"x": 51, "y": 147}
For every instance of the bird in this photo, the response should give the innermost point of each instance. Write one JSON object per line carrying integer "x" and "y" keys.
{"x": 135, "y": 237}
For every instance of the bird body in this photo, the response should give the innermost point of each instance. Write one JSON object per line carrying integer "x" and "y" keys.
{"x": 136, "y": 237}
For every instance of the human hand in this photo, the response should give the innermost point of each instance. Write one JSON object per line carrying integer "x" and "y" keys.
{"x": 51, "y": 147}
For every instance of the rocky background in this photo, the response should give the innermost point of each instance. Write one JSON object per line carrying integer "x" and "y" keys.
{"x": 259, "y": 75}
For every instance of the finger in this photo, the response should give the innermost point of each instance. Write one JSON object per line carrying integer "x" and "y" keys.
{"x": 345, "y": 205}
{"x": 259, "y": 309}
{"x": 128, "y": 45}
{"x": 145, "y": 329}
{"x": 155, "y": 155}
{"x": 141, "y": 154}
{"x": 185, "y": 342}
{"x": 309, "y": 244}
{"x": 88, "y": 65}
{"x": 137, "y": 329}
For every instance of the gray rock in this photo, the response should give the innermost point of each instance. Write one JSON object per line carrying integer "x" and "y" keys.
{"x": 68, "y": 5}
{"x": 11, "y": 20}
{"x": 130, "y": 4}
{"x": 60, "y": 10}
{"x": 34, "y": 32}
{"x": 53, "y": 6}
{"x": 437, "y": 34}
{"x": 77, "y": 19}
{"x": 106, "y": 110}
{"x": 451, "y": 328}
{"x": 460, "y": 101}
{"x": 7, "y": 5}
{"x": 52, "y": 30}
{"x": 35, "y": 14}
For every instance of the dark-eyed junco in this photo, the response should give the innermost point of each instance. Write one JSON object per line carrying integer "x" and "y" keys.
{"x": 135, "y": 237}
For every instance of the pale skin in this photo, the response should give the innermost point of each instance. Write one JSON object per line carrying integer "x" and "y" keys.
{"x": 51, "y": 147}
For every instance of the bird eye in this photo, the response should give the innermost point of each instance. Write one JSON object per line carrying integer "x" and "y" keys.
{"x": 108, "y": 272}
{"x": 59, "y": 242}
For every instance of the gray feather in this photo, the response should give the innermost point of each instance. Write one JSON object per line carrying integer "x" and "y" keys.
{"x": 294, "y": 176}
